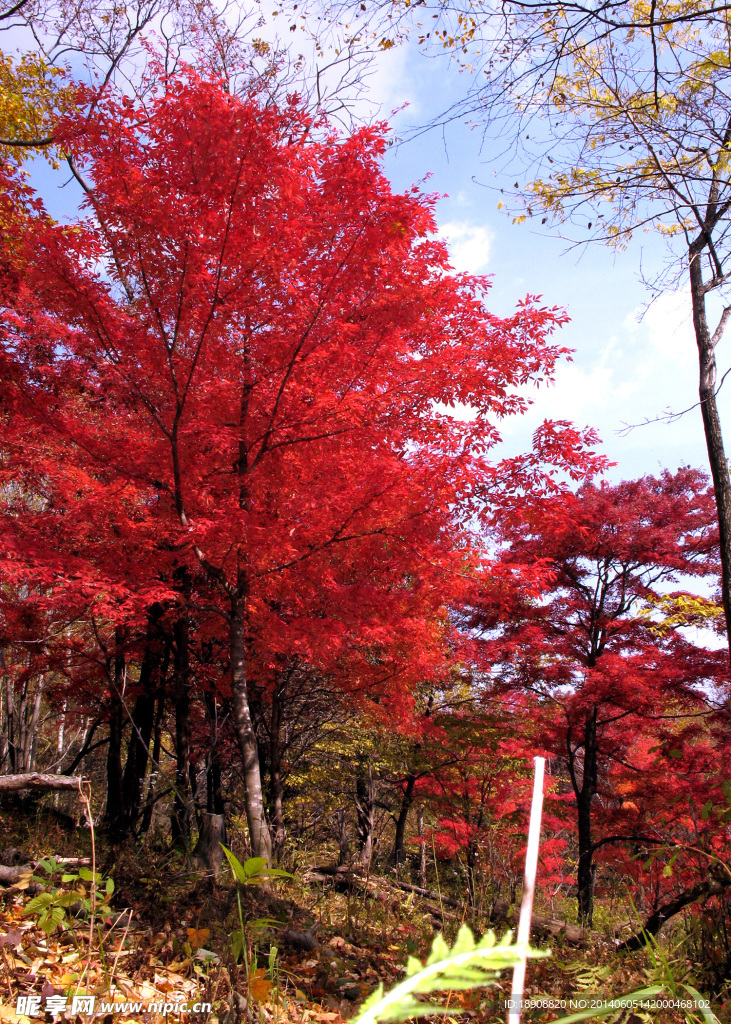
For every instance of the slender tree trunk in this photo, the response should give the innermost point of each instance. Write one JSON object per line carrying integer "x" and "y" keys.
{"x": 712, "y": 422}
{"x": 584, "y": 795}
{"x": 422, "y": 846}
{"x": 275, "y": 772}
{"x": 261, "y": 843}
{"x": 407, "y": 799}
{"x": 341, "y": 824}
{"x": 365, "y": 806}
{"x": 181, "y": 805}
{"x": 156, "y": 751}
{"x": 214, "y": 792}
{"x": 114, "y": 809}
{"x": 143, "y": 716}
{"x": 32, "y": 710}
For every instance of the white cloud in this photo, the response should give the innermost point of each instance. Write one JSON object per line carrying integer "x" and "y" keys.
{"x": 469, "y": 245}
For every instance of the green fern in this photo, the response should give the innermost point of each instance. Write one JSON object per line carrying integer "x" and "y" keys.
{"x": 466, "y": 965}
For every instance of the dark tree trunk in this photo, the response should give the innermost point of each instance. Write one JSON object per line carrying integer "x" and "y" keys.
{"x": 422, "y": 846}
{"x": 341, "y": 824}
{"x": 711, "y": 419}
{"x": 143, "y": 717}
{"x": 181, "y": 805}
{"x": 584, "y": 794}
{"x": 702, "y": 891}
{"x": 407, "y": 799}
{"x": 214, "y": 791}
{"x": 211, "y": 833}
{"x": 365, "y": 806}
{"x": 156, "y": 751}
{"x": 275, "y": 772}
{"x": 261, "y": 844}
{"x": 115, "y": 804}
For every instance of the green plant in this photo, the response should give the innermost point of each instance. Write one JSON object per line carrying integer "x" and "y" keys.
{"x": 53, "y": 907}
{"x": 465, "y": 966}
{"x": 253, "y": 871}
{"x": 664, "y": 971}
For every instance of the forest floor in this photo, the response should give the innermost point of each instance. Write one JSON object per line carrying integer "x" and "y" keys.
{"x": 168, "y": 938}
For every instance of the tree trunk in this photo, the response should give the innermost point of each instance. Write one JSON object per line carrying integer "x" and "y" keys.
{"x": 341, "y": 827}
{"x": 114, "y": 808}
{"x": 143, "y": 716}
{"x": 702, "y": 891}
{"x": 37, "y": 780}
{"x": 156, "y": 751}
{"x": 584, "y": 795}
{"x": 180, "y": 821}
{"x": 399, "y": 847}
{"x": 214, "y": 792}
{"x": 422, "y": 846}
{"x": 211, "y": 833}
{"x": 275, "y": 772}
{"x": 365, "y": 806}
{"x": 261, "y": 843}
{"x": 712, "y": 422}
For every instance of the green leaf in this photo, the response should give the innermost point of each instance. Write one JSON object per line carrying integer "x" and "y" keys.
{"x": 40, "y": 902}
{"x": 237, "y": 945}
{"x": 110, "y": 886}
{"x": 254, "y": 866}
{"x": 68, "y": 899}
{"x": 702, "y": 1004}
{"x": 612, "y": 1005}
{"x": 675, "y": 753}
{"x": 69, "y": 878}
{"x": 237, "y": 868}
{"x": 439, "y": 950}
{"x": 51, "y": 919}
{"x": 464, "y": 966}
{"x": 88, "y": 875}
{"x": 464, "y": 942}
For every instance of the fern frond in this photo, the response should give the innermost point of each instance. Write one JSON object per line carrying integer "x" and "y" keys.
{"x": 466, "y": 965}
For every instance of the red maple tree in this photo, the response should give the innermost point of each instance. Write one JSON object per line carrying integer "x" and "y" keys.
{"x": 590, "y": 648}
{"x": 226, "y": 383}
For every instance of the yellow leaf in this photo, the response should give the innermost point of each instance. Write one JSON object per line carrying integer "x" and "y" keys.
{"x": 260, "y": 986}
{"x": 197, "y": 936}
{"x": 7, "y": 1013}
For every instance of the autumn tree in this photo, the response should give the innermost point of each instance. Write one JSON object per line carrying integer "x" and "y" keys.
{"x": 235, "y": 365}
{"x": 589, "y": 649}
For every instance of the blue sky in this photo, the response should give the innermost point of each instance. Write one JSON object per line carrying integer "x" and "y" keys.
{"x": 626, "y": 368}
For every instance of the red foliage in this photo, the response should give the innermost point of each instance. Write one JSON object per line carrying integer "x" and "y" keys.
{"x": 616, "y": 681}
{"x": 224, "y": 387}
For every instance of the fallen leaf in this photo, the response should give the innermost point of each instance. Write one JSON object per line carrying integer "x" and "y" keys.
{"x": 260, "y": 986}
{"x": 7, "y": 1013}
{"x": 197, "y": 936}
{"x": 11, "y": 938}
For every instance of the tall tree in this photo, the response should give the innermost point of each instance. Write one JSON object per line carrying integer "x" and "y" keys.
{"x": 589, "y": 648}
{"x": 236, "y": 364}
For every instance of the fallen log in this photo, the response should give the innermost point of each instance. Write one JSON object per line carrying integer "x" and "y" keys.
{"x": 37, "y": 780}
{"x": 542, "y": 925}
{"x": 697, "y": 894}
{"x": 343, "y": 873}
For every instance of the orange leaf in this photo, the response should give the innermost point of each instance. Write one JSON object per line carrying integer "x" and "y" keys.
{"x": 260, "y": 986}
{"x": 197, "y": 936}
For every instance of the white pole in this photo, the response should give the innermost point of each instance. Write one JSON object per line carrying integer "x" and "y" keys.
{"x": 529, "y": 886}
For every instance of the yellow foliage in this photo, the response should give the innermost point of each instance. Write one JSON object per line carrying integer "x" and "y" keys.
{"x": 32, "y": 96}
